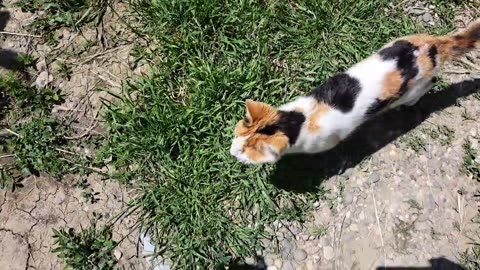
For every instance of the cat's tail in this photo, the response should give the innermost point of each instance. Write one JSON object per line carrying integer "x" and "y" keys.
{"x": 461, "y": 42}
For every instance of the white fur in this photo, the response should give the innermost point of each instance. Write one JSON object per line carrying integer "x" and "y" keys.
{"x": 336, "y": 125}
{"x": 271, "y": 154}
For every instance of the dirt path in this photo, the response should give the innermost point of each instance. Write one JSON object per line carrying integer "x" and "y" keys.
{"x": 28, "y": 215}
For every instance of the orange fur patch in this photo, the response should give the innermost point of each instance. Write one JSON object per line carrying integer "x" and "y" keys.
{"x": 259, "y": 114}
{"x": 318, "y": 111}
{"x": 391, "y": 84}
{"x": 253, "y": 146}
{"x": 254, "y": 154}
{"x": 420, "y": 40}
{"x": 424, "y": 63}
{"x": 279, "y": 141}
{"x": 444, "y": 44}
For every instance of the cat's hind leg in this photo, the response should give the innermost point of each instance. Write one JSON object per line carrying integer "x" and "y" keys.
{"x": 414, "y": 95}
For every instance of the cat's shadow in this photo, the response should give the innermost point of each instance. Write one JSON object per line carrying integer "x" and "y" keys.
{"x": 304, "y": 173}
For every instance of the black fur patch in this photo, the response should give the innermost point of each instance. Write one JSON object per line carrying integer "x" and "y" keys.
{"x": 289, "y": 123}
{"x": 432, "y": 53}
{"x": 340, "y": 92}
{"x": 403, "y": 52}
{"x": 378, "y": 106}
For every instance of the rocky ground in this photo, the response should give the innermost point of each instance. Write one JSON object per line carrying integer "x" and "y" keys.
{"x": 409, "y": 204}
{"x": 406, "y": 204}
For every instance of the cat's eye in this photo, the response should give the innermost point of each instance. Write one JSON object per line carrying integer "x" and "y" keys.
{"x": 246, "y": 121}
{"x": 268, "y": 130}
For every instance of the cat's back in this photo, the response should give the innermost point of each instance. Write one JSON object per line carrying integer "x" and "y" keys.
{"x": 354, "y": 91}
{"x": 392, "y": 71}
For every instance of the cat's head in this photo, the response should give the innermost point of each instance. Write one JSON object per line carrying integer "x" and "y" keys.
{"x": 265, "y": 133}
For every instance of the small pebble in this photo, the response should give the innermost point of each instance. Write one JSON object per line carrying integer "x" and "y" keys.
{"x": 310, "y": 265}
{"x": 323, "y": 242}
{"x": 348, "y": 172}
{"x": 348, "y": 198}
{"x": 299, "y": 255}
{"x": 305, "y": 237}
{"x": 288, "y": 266}
{"x": 118, "y": 254}
{"x": 417, "y": 11}
{"x": 250, "y": 261}
{"x": 373, "y": 178}
{"x": 287, "y": 248}
{"x": 430, "y": 202}
{"x": 328, "y": 253}
{"x": 427, "y": 17}
{"x": 269, "y": 260}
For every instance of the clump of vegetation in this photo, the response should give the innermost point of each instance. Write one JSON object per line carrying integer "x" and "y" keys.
{"x": 470, "y": 259}
{"x": 414, "y": 141}
{"x": 32, "y": 141}
{"x": 471, "y": 165}
{"x": 36, "y": 145}
{"x": 27, "y": 60}
{"x": 442, "y": 134}
{"x": 88, "y": 249}
{"x": 20, "y": 100}
{"x": 318, "y": 231}
{"x": 65, "y": 13}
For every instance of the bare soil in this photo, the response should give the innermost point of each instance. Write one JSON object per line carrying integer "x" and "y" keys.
{"x": 96, "y": 57}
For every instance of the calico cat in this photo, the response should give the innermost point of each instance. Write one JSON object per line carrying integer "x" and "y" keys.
{"x": 398, "y": 74}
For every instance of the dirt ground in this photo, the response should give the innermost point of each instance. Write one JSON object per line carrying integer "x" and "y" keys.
{"x": 28, "y": 215}
{"x": 401, "y": 207}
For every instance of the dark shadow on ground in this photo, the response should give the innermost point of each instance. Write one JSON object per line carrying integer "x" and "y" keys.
{"x": 304, "y": 173}
{"x": 259, "y": 265}
{"x": 440, "y": 263}
{"x": 435, "y": 264}
{"x": 8, "y": 58}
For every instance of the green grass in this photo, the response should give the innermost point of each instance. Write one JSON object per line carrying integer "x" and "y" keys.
{"x": 32, "y": 141}
{"x": 318, "y": 231}
{"x": 470, "y": 259}
{"x": 170, "y": 133}
{"x": 55, "y": 14}
{"x": 442, "y": 134}
{"x": 414, "y": 141}
{"x": 18, "y": 99}
{"x": 471, "y": 166}
{"x": 90, "y": 248}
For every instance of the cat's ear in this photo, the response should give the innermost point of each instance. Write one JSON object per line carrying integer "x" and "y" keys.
{"x": 258, "y": 110}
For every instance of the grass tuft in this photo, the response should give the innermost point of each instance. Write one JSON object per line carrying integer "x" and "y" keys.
{"x": 32, "y": 141}
{"x": 64, "y": 13}
{"x": 470, "y": 259}
{"x": 471, "y": 164}
{"x": 90, "y": 248}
